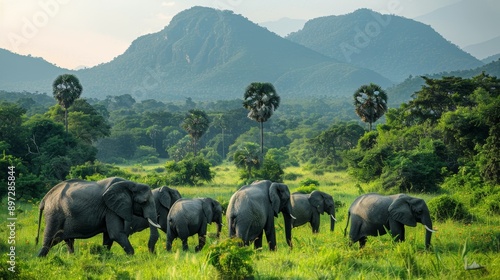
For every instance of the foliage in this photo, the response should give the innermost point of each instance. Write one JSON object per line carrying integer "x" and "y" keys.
{"x": 447, "y": 207}
{"x": 270, "y": 170}
{"x": 231, "y": 260}
{"x": 247, "y": 157}
{"x": 196, "y": 124}
{"x": 66, "y": 89}
{"x": 370, "y": 103}
{"x": 261, "y": 100}
{"x": 95, "y": 169}
{"x": 309, "y": 182}
{"x": 305, "y": 189}
{"x": 192, "y": 170}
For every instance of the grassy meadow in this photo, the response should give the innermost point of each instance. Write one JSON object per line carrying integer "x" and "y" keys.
{"x": 326, "y": 255}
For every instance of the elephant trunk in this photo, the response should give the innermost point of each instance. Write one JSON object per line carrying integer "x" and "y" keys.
{"x": 332, "y": 222}
{"x": 426, "y": 221}
{"x": 149, "y": 212}
{"x": 288, "y": 218}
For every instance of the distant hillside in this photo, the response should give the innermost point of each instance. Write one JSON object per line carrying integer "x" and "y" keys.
{"x": 284, "y": 26}
{"x": 393, "y": 46}
{"x": 26, "y": 73}
{"x": 403, "y": 91}
{"x": 484, "y": 49}
{"x": 491, "y": 58}
{"x": 209, "y": 54}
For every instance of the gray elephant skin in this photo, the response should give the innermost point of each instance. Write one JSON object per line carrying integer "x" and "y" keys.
{"x": 188, "y": 217}
{"x": 372, "y": 214}
{"x": 164, "y": 198}
{"x": 78, "y": 209}
{"x": 307, "y": 208}
{"x": 252, "y": 209}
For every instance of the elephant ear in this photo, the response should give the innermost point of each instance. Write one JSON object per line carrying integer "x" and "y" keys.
{"x": 164, "y": 197}
{"x": 400, "y": 211}
{"x": 118, "y": 199}
{"x": 206, "y": 205}
{"x": 317, "y": 201}
{"x": 274, "y": 197}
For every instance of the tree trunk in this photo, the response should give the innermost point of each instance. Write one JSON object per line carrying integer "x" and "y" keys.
{"x": 262, "y": 138}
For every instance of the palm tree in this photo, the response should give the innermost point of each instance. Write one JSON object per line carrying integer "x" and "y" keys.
{"x": 196, "y": 124}
{"x": 370, "y": 103}
{"x": 261, "y": 100}
{"x": 247, "y": 157}
{"x": 66, "y": 89}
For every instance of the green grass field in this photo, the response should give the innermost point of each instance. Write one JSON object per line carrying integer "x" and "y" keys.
{"x": 326, "y": 255}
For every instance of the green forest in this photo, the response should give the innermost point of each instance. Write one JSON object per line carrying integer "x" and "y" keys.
{"x": 441, "y": 145}
{"x": 445, "y": 137}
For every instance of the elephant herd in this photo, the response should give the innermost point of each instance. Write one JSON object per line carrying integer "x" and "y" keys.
{"x": 115, "y": 207}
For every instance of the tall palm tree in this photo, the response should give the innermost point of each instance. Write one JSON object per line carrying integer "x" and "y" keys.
{"x": 196, "y": 124}
{"x": 370, "y": 103}
{"x": 261, "y": 100}
{"x": 66, "y": 89}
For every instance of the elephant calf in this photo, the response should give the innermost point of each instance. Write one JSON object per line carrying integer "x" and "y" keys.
{"x": 309, "y": 207}
{"x": 373, "y": 214}
{"x": 188, "y": 217}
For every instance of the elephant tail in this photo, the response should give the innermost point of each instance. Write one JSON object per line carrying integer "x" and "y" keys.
{"x": 41, "y": 207}
{"x": 347, "y": 224}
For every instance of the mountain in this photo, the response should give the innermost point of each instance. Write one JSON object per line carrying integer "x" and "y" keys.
{"x": 402, "y": 92}
{"x": 484, "y": 49}
{"x": 491, "y": 58}
{"x": 393, "y": 46}
{"x": 209, "y": 54}
{"x": 26, "y": 73}
{"x": 284, "y": 26}
{"x": 479, "y": 20}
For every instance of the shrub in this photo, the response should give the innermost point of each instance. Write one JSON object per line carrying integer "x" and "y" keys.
{"x": 230, "y": 259}
{"x": 291, "y": 176}
{"x": 189, "y": 171}
{"x": 306, "y": 189}
{"x": 309, "y": 181}
{"x": 493, "y": 204}
{"x": 446, "y": 207}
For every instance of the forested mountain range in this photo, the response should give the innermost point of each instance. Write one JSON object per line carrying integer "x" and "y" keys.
{"x": 393, "y": 46}
{"x": 207, "y": 55}
{"x": 403, "y": 91}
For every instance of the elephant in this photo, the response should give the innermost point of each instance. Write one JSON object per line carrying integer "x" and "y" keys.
{"x": 164, "y": 198}
{"x": 309, "y": 207}
{"x": 252, "y": 209}
{"x": 373, "y": 214}
{"x": 78, "y": 209}
{"x": 188, "y": 217}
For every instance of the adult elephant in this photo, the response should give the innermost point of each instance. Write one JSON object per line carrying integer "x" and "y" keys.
{"x": 307, "y": 208}
{"x": 192, "y": 216}
{"x": 252, "y": 209}
{"x": 164, "y": 197}
{"x": 373, "y": 214}
{"x": 77, "y": 209}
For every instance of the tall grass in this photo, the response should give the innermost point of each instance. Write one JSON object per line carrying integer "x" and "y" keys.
{"x": 326, "y": 255}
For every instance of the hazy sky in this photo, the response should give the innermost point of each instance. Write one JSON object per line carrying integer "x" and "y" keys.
{"x": 71, "y": 33}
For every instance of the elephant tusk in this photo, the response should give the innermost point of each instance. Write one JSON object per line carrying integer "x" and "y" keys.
{"x": 293, "y": 217}
{"x": 153, "y": 223}
{"x": 429, "y": 229}
{"x": 333, "y": 218}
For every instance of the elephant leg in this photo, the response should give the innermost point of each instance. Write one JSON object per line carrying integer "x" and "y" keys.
{"x": 201, "y": 242}
{"x": 362, "y": 242}
{"x": 106, "y": 241}
{"x": 171, "y": 235}
{"x": 185, "y": 246}
{"x": 258, "y": 242}
{"x": 315, "y": 222}
{"x": 397, "y": 231}
{"x": 201, "y": 237}
{"x": 116, "y": 233}
{"x": 70, "y": 243}
{"x": 271, "y": 236}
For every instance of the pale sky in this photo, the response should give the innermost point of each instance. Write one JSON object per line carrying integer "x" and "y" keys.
{"x": 72, "y": 33}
